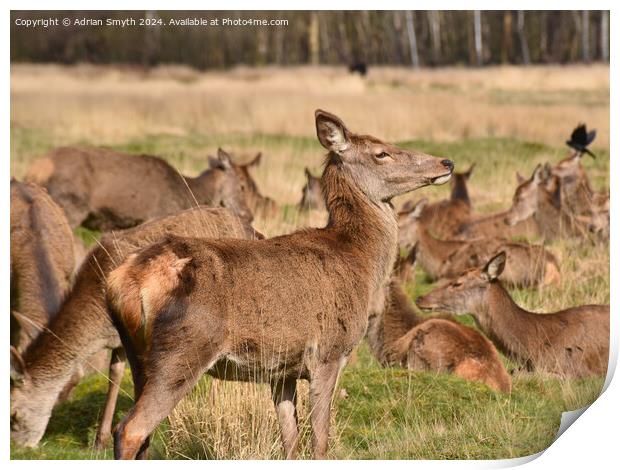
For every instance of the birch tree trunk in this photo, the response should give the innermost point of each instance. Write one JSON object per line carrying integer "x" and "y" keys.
{"x": 605, "y": 36}
{"x": 478, "y": 36}
{"x": 413, "y": 45}
{"x": 525, "y": 50}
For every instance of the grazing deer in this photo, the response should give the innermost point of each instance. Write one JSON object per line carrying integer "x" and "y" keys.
{"x": 444, "y": 218}
{"x": 529, "y": 265}
{"x": 571, "y": 343}
{"x": 312, "y": 193}
{"x": 257, "y": 203}
{"x": 82, "y": 326}
{"x": 104, "y": 190}
{"x": 400, "y": 337}
{"x": 42, "y": 261}
{"x": 275, "y": 310}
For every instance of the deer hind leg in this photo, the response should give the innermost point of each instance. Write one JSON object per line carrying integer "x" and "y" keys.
{"x": 115, "y": 376}
{"x": 167, "y": 382}
{"x": 284, "y": 396}
{"x": 322, "y": 385}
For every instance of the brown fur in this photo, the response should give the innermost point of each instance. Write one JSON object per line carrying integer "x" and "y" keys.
{"x": 528, "y": 265}
{"x": 272, "y": 310}
{"x": 571, "y": 343}
{"x": 83, "y": 327}
{"x": 400, "y": 337}
{"x": 444, "y": 218}
{"x": 104, "y": 190}
{"x": 311, "y": 193}
{"x": 42, "y": 261}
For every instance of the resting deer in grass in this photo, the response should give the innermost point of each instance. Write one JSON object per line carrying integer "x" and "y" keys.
{"x": 104, "y": 190}
{"x": 570, "y": 343}
{"x": 400, "y": 337}
{"x": 257, "y": 203}
{"x": 444, "y": 218}
{"x": 42, "y": 261}
{"x": 275, "y": 310}
{"x": 312, "y": 193}
{"x": 82, "y": 326}
{"x": 529, "y": 265}
{"x": 536, "y": 211}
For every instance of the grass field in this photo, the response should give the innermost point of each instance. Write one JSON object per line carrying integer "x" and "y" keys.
{"x": 503, "y": 119}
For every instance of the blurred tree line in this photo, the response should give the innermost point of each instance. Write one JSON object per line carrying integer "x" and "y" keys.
{"x": 416, "y": 38}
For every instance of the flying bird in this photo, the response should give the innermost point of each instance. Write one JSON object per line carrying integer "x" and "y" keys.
{"x": 581, "y": 138}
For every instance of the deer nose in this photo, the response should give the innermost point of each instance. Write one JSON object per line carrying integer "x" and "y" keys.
{"x": 448, "y": 164}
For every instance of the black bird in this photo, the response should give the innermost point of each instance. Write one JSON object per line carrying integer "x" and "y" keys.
{"x": 581, "y": 138}
{"x": 359, "y": 67}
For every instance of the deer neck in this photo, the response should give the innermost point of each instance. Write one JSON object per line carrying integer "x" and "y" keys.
{"x": 70, "y": 339}
{"x": 395, "y": 321}
{"x": 500, "y": 318}
{"x": 433, "y": 253}
{"x": 369, "y": 228}
{"x": 201, "y": 185}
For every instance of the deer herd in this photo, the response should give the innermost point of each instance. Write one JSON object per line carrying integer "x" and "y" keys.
{"x": 181, "y": 285}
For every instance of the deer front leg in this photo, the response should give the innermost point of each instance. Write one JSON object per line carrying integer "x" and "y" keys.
{"x": 115, "y": 376}
{"x": 322, "y": 385}
{"x": 285, "y": 399}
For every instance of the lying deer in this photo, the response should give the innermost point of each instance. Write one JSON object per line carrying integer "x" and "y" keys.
{"x": 42, "y": 261}
{"x": 400, "y": 337}
{"x": 444, "y": 218}
{"x": 257, "y": 203}
{"x": 529, "y": 266}
{"x": 104, "y": 190}
{"x": 83, "y": 327}
{"x": 540, "y": 199}
{"x": 536, "y": 211}
{"x": 571, "y": 343}
{"x": 275, "y": 310}
{"x": 311, "y": 193}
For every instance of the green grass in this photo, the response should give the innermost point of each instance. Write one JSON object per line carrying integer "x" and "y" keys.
{"x": 389, "y": 413}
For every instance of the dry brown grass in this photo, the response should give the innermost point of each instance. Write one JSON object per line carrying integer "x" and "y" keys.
{"x": 109, "y": 105}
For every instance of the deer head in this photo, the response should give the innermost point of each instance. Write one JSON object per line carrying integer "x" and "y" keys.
{"x": 380, "y": 170}
{"x": 466, "y": 293}
{"x": 409, "y": 224}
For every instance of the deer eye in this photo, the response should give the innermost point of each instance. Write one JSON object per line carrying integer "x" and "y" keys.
{"x": 457, "y": 284}
{"x": 382, "y": 155}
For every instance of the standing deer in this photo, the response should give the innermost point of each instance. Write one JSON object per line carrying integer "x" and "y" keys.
{"x": 82, "y": 326}
{"x": 105, "y": 190}
{"x": 42, "y": 261}
{"x": 400, "y": 337}
{"x": 570, "y": 343}
{"x": 275, "y": 310}
{"x": 529, "y": 265}
{"x": 311, "y": 193}
{"x": 444, "y": 218}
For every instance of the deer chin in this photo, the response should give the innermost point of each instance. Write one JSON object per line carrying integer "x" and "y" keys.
{"x": 441, "y": 179}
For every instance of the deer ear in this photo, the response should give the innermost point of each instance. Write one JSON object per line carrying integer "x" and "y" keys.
{"x": 468, "y": 172}
{"x": 495, "y": 266}
{"x": 537, "y": 176}
{"x": 18, "y": 367}
{"x": 419, "y": 208}
{"x": 223, "y": 160}
{"x": 331, "y": 131}
{"x": 520, "y": 179}
{"x": 256, "y": 160}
